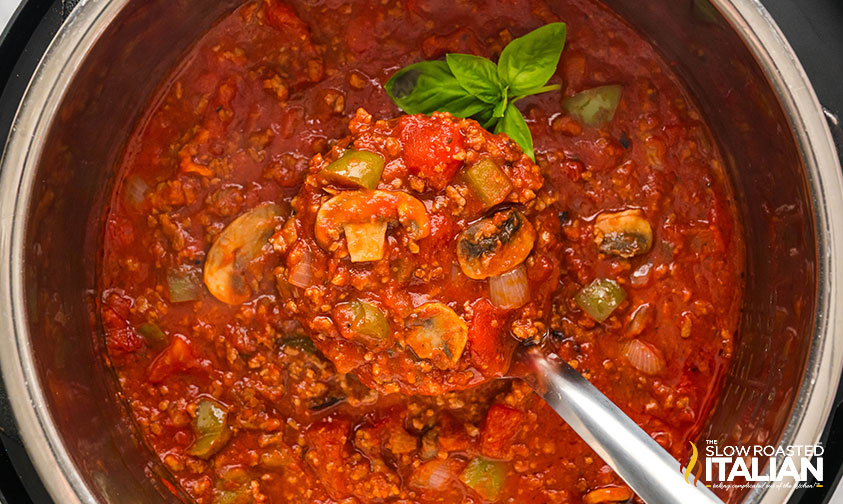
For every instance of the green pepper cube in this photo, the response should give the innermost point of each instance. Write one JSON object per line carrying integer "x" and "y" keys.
{"x": 242, "y": 495}
{"x": 153, "y": 334}
{"x": 488, "y": 181}
{"x": 183, "y": 285}
{"x": 356, "y": 168}
{"x": 595, "y": 107}
{"x": 211, "y": 427}
{"x": 600, "y": 298}
{"x": 363, "y": 321}
{"x": 484, "y": 476}
{"x": 232, "y": 487}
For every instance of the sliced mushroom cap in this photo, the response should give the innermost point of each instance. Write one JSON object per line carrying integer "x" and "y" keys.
{"x": 495, "y": 245}
{"x": 623, "y": 234}
{"x": 363, "y": 215}
{"x": 240, "y": 243}
{"x": 436, "y": 332}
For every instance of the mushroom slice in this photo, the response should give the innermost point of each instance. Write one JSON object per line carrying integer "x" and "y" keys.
{"x": 436, "y": 332}
{"x": 240, "y": 243}
{"x": 362, "y": 216}
{"x": 495, "y": 245}
{"x": 623, "y": 234}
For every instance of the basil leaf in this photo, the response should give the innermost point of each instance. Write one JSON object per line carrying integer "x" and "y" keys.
{"x": 528, "y": 62}
{"x": 514, "y": 125}
{"x": 429, "y": 86}
{"x": 477, "y": 75}
{"x": 486, "y": 119}
{"x": 500, "y": 108}
{"x": 539, "y": 90}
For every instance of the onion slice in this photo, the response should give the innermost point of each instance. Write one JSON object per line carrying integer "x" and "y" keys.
{"x": 643, "y": 357}
{"x": 510, "y": 290}
{"x": 136, "y": 189}
{"x": 432, "y": 475}
{"x": 301, "y": 273}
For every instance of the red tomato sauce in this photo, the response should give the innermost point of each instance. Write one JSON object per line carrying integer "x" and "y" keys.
{"x": 393, "y": 280}
{"x": 235, "y": 399}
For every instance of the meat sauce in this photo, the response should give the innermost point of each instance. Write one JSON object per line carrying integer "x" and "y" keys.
{"x": 235, "y": 399}
{"x": 388, "y": 252}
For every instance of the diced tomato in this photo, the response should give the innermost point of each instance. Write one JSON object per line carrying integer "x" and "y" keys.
{"x": 429, "y": 148}
{"x": 484, "y": 338}
{"x": 124, "y": 340}
{"x": 327, "y": 450}
{"x": 120, "y": 336}
{"x": 118, "y": 304}
{"x": 176, "y": 358}
{"x": 499, "y": 430}
{"x": 346, "y": 356}
{"x": 329, "y": 438}
{"x": 280, "y": 15}
{"x": 452, "y": 435}
{"x": 120, "y": 231}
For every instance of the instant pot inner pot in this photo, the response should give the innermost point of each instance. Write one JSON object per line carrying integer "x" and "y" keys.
{"x": 145, "y": 38}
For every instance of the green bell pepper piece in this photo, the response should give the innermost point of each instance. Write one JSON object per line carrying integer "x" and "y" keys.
{"x": 595, "y": 107}
{"x": 600, "y": 298}
{"x": 211, "y": 427}
{"x": 484, "y": 476}
{"x": 356, "y": 168}
{"x": 488, "y": 181}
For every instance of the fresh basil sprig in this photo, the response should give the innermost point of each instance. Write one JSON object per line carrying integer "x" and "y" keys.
{"x": 472, "y": 86}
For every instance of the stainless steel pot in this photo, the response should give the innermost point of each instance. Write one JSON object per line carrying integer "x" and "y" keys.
{"x": 104, "y": 63}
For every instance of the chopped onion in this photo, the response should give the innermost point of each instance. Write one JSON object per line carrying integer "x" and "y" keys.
{"x": 136, "y": 189}
{"x": 641, "y": 276}
{"x": 511, "y": 289}
{"x": 643, "y": 357}
{"x": 301, "y": 273}
{"x": 433, "y": 475}
{"x": 439, "y": 476}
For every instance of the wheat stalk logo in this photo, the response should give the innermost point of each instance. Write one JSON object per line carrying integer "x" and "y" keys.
{"x": 692, "y": 462}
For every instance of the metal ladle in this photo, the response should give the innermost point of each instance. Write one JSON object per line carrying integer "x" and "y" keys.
{"x": 641, "y": 462}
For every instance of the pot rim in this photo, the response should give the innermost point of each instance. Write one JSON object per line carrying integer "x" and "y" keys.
{"x": 89, "y": 21}
{"x": 808, "y": 124}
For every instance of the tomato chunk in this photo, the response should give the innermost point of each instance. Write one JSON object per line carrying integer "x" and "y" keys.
{"x": 280, "y": 15}
{"x": 486, "y": 347}
{"x": 430, "y": 145}
{"x": 176, "y": 358}
{"x": 120, "y": 335}
{"x": 499, "y": 430}
{"x": 328, "y": 450}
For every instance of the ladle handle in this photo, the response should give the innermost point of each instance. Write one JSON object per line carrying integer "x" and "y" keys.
{"x": 642, "y": 463}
